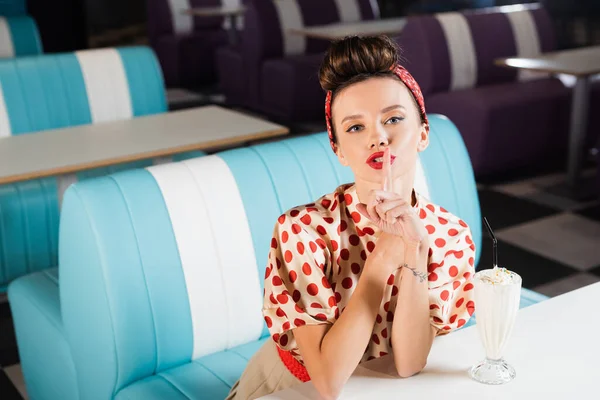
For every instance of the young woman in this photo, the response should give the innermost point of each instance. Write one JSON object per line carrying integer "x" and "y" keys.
{"x": 373, "y": 266}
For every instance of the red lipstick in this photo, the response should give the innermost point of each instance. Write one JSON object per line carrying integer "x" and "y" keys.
{"x": 379, "y": 157}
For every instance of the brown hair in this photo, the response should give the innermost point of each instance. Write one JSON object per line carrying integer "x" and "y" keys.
{"x": 355, "y": 59}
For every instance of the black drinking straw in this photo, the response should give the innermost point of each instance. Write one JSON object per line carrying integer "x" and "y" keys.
{"x": 495, "y": 249}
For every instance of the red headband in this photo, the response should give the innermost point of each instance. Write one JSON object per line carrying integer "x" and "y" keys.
{"x": 408, "y": 81}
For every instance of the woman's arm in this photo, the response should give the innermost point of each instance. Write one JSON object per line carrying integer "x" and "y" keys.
{"x": 412, "y": 333}
{"x": 331, "y": 353}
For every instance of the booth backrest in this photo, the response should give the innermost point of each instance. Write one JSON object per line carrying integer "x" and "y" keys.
{"x": 19, "y": 36}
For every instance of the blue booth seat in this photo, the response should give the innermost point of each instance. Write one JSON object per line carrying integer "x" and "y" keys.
{"x": 158, "y": 292}
{"x": 19, "y": 36}
{"x": 55, "y": 91}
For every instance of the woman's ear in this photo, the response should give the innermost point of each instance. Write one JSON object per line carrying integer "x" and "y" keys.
{"x": 423, "y": 138}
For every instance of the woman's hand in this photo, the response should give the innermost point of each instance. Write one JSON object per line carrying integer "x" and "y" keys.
{"x": 390, "y": 212}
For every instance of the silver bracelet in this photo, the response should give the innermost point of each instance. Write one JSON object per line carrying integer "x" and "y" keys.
{"x": 421, "y": 275}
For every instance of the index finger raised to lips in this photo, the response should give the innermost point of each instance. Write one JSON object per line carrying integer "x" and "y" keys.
{"x": 388, "y": 182}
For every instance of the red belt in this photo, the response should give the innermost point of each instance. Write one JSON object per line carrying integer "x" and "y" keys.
{"x": 293, "y": 365}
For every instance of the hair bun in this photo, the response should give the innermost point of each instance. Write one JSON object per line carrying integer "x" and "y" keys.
{"x": 351, "y": 57}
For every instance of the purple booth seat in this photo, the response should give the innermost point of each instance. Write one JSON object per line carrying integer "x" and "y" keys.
{"x": 508, "y": 118}
{"x": 186, "y": 45}
{"x": 278, "y": 69}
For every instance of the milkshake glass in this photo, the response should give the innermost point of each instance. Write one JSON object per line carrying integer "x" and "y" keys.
{"x": 497, "y": 296}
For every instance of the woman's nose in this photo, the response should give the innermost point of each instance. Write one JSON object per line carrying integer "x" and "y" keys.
{"x": 378, "y": 140}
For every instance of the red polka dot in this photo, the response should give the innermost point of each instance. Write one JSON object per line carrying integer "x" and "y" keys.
{"x": 321, "y": 317}
{"x": 282, "y": 298}
{"x": 285, "y": 236}
{"x": 462, "y": 223}
{"x": 430, "y": 229}
{"x": 306, "y": 269}
{"x": 430, "y": 207}
{"x": 284, "y": 339}
{"x": 360, "y": 232}
{"x": 316, "y": 305}
{"x": 334, "y": 245}
{"x": 300, "y": 248}
{"x": 375, "y": 338}
{"x": 345, "y": 254}
{"x": 348, "y": 199}
{"x": 453, "y": 318}
{"x": 276, "y": 281}
{"x": 437, "y": 320}
{"x": 467, "y": 275}
{"x": 356, "y": 217}
{"x": 390, "y": 280}
{"x": 273, "y": 243}
{"x": 325, "y": 283}
{"x": 471, "y": 307}
{"x": 434, "y": 307}
{"x": 379, "y": 319}
{"x": 296, "y": 296}
{"x": 354, "y": 240}
{"x": 347, "y": 283}
{"x": 268, "y": 321}
{"x": 432, "y": 277}
{"x": 276, "y": 337}
{"x": 440, "y": 242}
{"x": 443, "y": 221}
{"x": 329, "y": 220}
{"x": 280, "y": 313}
{"x": 293, "y": 276}
{"x": 332, "y": 301}
{"x": 384, "y": 333}
{"x": 334, "y": 205}
{"x": 298, "y": 309}
{"x": 288, "y": 256}
{"x": 273, "y": 299}
{"x": 432, "y": 266}
{"x": 311, "y": 209}
{"x": 306, "y": 219}
{"x": 459, "y": 254}
{"x": 363, "y": 255}
{"x": 312, "y": 289}
{"x": 468, "y": 287}
{"x": 338, "y": 297}
{"x": 471, "y": 261}
{"x": 386, "y": 306}
{"x": 453, "y": 271}
{"x": 296, "y": 228}
{"x": 370, "y": 246}
{"x": 456, "y": 285}
{"x": 321, "y": 243}
{"x": 281, "y": 219}
{"x": 294, "y": 213}
{"x": 460, "y": 302}
{"x": 268, "y": 271}
{"x": 355, "y": 267}
{"x": 299, "y": 322}
{"x": 452, "y": 232}
{"x": 446, "y": 328}
{"x": 442, "y": 209}
{"x": 321, "y": 229}
{"x": 461, "y": 322}
{"x": 444, "y": 295}
{"x": 313, "y": 246}
{"x": 390, "y": 316}
{"x": 286, "y": 326}
{"x": 422, "y": 214}
{"x": 394, "y": 290}
{"x": 337, "y": 313}
{"x": 326, "y": 203}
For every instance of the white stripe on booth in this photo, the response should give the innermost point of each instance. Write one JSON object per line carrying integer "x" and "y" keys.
{"x": 4, "y": 119}
{"x": 375, "y": 8}
{"x": 182, "y": 23}
{"x": 421, "y": 186}
{"x": 348, "y": 10}
{"x": 216, "y": 251}
{"x": 290, "y": 17}
{"x": 62, "y": 184}
{"x": 7, "y": 49}
{"x": 463, "y": 61}
{"x": 527, "y": 40}
{"x": 239, "y": 19}
{"x": 106, "y": 84}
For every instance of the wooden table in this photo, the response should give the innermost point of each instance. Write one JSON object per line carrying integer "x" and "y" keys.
{"x": 554, "y": 349}
{"x": 581, "y": 63}
{"x": 231, "y": 13}
{"x": 391, "y": 26}
{"x": 63, "y": 151}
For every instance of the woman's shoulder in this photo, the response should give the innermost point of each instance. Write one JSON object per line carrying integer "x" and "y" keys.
{"x": 442, "y": 224}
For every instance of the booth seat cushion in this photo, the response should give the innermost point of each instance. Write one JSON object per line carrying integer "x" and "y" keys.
{"x": 209, "y": 377}
{"x": 493, "y": 119}
{"x": 35, "y": 305}
{"x": 23, "y": 37}
{"x": 290, "y": 87}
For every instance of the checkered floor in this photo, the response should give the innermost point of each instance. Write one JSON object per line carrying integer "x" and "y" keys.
{"x": 551, "y": 241}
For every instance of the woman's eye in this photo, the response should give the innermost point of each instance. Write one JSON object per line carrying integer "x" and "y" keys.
{"x": 354, "y": 128}
{"x": 394, "y": 120}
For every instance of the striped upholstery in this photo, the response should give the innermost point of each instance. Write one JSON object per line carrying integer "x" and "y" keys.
{"x": 466, "y": 44}
{"x": 19, "y": 37}
{"x": 161, "y": 269}
{"x": 56, "y": 91}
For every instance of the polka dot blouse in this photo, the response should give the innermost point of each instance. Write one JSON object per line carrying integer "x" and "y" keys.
{"x": 317, "y": 255}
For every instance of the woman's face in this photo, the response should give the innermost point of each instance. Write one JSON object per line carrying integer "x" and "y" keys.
{"x": 374, "y": 114}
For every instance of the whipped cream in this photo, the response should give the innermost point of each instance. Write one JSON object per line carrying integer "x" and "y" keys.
{"x": 498, "y": 276}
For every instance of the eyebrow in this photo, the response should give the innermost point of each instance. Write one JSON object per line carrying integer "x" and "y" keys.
{"x": 383, "y": 111}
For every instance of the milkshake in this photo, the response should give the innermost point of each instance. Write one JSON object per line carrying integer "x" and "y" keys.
{"x": 497, "y": 296}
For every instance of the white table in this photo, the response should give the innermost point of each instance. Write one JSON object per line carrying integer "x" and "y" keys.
{"x": 231, "y": 13}
{"x": 62, "y": 151}
{"x": 581, "y": 63}
{"x": 391, "y": 26}
{"x": 555, "y": 349}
